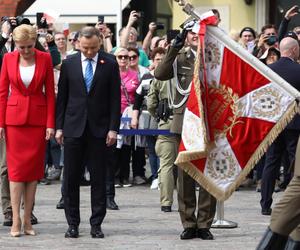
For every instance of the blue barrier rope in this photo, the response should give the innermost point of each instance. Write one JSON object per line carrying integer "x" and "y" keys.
{"x": 145, "y": 132}
{"x": 142, "y": 131}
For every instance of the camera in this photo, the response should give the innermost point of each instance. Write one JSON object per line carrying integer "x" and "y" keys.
{"x": 101, "y": 19}
{"x": 271, "y": 40}
{"x": 19, "y": 20}
{"x": 160, "y": 26}
{"x": 41, "y": 23}
{"x": 171, "y": 34}
{"x": 140, "y": 14}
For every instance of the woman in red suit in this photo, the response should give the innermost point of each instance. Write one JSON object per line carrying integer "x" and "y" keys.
{"x": 27, "y": 107}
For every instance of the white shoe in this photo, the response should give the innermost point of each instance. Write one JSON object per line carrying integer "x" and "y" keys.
{"x": 154, "y": 184}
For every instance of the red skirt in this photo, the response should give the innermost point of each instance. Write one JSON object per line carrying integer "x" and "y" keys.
{"x": 25, "y": 152}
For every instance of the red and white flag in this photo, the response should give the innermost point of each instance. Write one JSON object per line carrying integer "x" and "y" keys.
{"x": 236, "y": 108}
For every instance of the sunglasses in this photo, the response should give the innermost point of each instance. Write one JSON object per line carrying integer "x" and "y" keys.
{"x": 122, "y": 57}
{"x": 25, "y": 47}
{"x": 131, "y": 58}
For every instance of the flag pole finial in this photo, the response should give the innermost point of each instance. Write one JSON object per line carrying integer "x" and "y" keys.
{"x": 188, "y": 9}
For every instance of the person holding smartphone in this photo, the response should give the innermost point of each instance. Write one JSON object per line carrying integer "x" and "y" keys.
{"x": 128, "y": 38}
{"x": 268, "y": 38}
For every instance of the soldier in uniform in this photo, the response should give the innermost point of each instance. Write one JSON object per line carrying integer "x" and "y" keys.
{"x": 284, "y": 229}
{"x": 159, "y": 101}
{"x": 179, "y": 63}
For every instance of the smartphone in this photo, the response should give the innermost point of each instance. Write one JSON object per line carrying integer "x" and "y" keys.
{"x": 41, "y": 24}
{"x": 271, "y": 40}
{"x": 141, "y": 14}
{"x": 160, "y": 26}
{"x": 171, "y": 34}
{"x": 101, "y": 19}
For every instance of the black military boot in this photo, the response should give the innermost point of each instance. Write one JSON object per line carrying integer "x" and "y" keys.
{"x": 292, "y": 244}
{"x": 272, "y": 241}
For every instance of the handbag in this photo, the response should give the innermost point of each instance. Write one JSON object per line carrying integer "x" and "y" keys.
{"x": 147, "y": 121}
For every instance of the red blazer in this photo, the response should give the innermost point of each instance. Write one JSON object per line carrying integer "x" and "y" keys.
{"x": 34, "y": 105}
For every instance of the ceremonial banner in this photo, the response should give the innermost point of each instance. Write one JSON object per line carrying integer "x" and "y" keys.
{"x": 229, "y": 124}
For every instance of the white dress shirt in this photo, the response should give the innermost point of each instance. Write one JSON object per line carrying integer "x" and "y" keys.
{"x": 84, "y": 62}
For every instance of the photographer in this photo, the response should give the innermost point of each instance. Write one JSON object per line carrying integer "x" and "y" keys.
{"x": 268, "y": 38}
{"x": 128, "y": 38}
{"x": 106, "y": 35}
{"x": 147, "y": 41}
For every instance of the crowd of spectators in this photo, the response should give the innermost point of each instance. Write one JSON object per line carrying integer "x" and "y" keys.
{"x": 137, "y": 61}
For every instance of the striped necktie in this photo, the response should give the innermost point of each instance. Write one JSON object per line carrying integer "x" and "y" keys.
{"x": 88, "y": 76}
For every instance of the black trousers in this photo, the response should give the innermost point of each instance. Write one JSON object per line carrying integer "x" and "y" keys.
{"x": 111, "y": 165}
{"x": 287, "y": 140}
{"x": 95, "y": 151}
{"x": 53, "y": 153}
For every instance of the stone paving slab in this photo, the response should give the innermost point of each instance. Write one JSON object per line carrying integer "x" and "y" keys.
{"x": 139, "y": 224}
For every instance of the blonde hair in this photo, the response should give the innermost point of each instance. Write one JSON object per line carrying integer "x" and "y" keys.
{"x": 119, "y": 50}
{"x": 24, "y": 32}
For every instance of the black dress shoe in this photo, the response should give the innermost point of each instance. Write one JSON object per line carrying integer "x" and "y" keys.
{"x": 85, "y": 182}
{"x": 60, "y": 204}
{"x": 266, "y": 211}
{"x": 188, "y": 233}
{"x": 33, "y": 219}
{"x": 204, "y": 234}
{"x": 111, "y": 204}
{"x": 166, "y": 208}
{"x": 96, "y": 232}
{"x": 72, "y": 232}
{"x": 274, "y": 241}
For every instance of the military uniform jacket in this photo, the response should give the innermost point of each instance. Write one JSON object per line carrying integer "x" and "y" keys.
{"x": 185, "y": 68}
{"x": 157, "y": 92}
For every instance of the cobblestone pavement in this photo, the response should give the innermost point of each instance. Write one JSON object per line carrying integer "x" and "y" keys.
{"x": 139, "y": 224}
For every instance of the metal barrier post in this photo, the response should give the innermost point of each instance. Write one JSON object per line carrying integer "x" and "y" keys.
{"x": 220, "y": 222}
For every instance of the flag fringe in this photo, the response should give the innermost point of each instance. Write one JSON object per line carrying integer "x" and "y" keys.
{"x": 197, "y": 88}
{"x": 204, "y": 182}
{"x": 186, "y": 156}
{"x": 264, "y": 145}
{"x": 183, "y": 160}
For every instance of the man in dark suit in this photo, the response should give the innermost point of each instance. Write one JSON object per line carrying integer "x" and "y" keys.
{"x": 288, "y": 69}
{"x": 87, "y": 122}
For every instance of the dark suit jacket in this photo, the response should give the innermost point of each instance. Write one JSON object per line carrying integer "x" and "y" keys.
{"x": 34, "y": 105}
{"x": 3, "y": 49}
{"x": 289, "y": 71}
{"x": 100, "y": 107}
